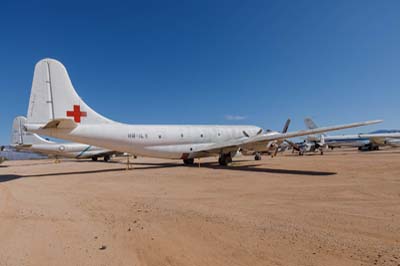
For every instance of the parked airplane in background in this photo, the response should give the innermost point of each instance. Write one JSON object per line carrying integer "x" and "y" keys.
{"x": 383, "y": 138}
{"x": 273, "y": 147}
{"x": 55, "y": 109}
{"x": 26, "y": 141}
{"x": 366, "y": 142}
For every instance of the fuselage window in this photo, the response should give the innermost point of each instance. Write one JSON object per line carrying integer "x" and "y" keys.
{"x": 182, "y": 135}
{"x": 159, "y": 136}
{"x": 201, "y": 135}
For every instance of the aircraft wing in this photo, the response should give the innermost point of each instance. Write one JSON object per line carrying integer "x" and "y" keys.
{"x": 380, "y": 138}
{"x": 263, "y": 139}
{"x": 381, "y": 135}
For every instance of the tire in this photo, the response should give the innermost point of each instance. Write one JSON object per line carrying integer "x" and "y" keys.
{"x": 188, "y": 161}
{"x": 94, "y": 159}
{"x": 106, "y": 158}
{"x": 225, "y": 159}
{"x": 257, "y": 157}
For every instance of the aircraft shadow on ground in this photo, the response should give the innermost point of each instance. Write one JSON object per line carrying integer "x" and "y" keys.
{"x": 6, "y": 178}
{"x": 254, "y": 168}
{"x": 150, "y": 166}
{"x": 249, "y": 168}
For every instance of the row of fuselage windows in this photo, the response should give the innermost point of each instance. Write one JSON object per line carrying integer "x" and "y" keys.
{"x": 160, "y": 136}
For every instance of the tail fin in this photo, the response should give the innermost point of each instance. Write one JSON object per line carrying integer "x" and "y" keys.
{"x": 54, "y": 98}
{"x": 20, "y": 137}
{"x": 310, "y": 123}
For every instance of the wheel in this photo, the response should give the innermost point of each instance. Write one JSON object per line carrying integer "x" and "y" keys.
{"x": 257, "y": 157}
{"x": 106, "y": 158}
{"x": 225, "y": 159}
{"x": 94, "y": 159}
{"x": 322, "y": 152}
{"x": 188, "y": 161}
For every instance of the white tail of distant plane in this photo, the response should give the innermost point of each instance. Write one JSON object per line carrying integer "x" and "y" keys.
{"x": 54, "y": 98}
{"x": 310, "y": 123}
{"x": 20, "y": 136}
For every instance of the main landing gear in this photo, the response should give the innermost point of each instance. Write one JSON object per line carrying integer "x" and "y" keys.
{"x": 188, "y": 161}
{"x": 106, "y": 158}
{"x": 225, "y": 159}
{"x": 257, "y": 157}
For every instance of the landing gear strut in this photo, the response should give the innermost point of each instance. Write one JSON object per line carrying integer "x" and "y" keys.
{"x": 225, "y": 159}
{"x": 188, "y": 161}
{"x": 106, "y": 158}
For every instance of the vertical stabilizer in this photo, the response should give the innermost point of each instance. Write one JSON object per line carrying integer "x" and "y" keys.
{"x": 20, "y": 136}
{"x": 54, "y": 97}
{"x": 310, "y": 123}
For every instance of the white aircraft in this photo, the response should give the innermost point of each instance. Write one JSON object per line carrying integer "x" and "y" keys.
{"x": 363, "y": 141}
{"x": 22, "y": 140}
{"x": 56, "y": 110}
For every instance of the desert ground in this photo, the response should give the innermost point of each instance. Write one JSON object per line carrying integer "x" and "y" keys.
{"x": 342, "y": 208}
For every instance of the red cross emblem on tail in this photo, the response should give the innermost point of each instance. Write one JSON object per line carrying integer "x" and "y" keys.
{"x": 76, "y": 114}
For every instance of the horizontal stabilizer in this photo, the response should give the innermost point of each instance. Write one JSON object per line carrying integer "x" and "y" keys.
{"x": 61, "y": 124}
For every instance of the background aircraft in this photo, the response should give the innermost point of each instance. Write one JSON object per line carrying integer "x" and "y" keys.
{"x": 366, "y": 142}
{"x": 383, "y": 138}
{"x": 26, "y": 141}
{"x": 55, "y": 109}
{"x": 273, "y": 147}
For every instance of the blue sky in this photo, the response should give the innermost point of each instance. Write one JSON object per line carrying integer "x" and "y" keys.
{"x": 210, "y": 62}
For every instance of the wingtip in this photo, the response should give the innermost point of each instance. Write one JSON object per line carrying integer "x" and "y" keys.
{"x": 374, "y": 121}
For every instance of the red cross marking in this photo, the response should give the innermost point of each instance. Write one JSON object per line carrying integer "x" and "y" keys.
{"x": 76, "y": 114}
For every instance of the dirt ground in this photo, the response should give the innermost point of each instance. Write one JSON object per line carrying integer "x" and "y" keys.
{"x": 342, "y": 208}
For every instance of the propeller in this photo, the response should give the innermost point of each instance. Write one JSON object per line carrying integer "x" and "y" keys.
{"x": 293, "y": 145}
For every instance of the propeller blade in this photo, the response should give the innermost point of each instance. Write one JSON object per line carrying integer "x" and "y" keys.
{"x": 294, "y": 145}
{"x": 276, "y": 151}
{"x": 284, "y": 130}
{"x": 286, "y": 127}
{"x": 245, "y": 133}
